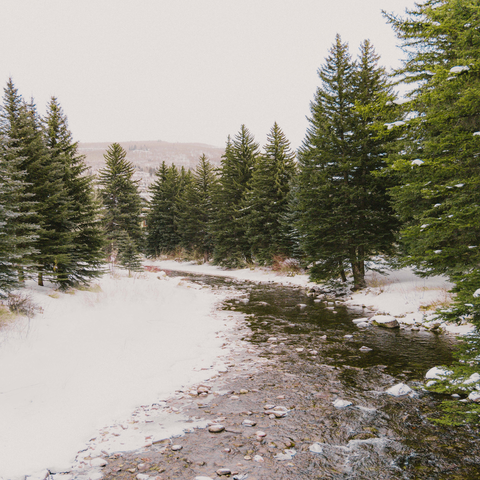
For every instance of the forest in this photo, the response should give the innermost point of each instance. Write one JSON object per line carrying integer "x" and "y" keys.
{"x": 377, "y": 175}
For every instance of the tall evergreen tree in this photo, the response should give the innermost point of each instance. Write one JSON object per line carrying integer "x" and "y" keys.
{"x": 86, "y": 254}
{"x": 238, "y": 161}
{"x": 122, "y": 204}
{"x": 162, "y": 232}
{"x": 439, "y": 199}
{"x": 265, "y": 202}
{"x": 195, "y": 210}
{"x": 18, "y": 231}
{"x": 43, "y": 178}
{"x": 344, "y": 217}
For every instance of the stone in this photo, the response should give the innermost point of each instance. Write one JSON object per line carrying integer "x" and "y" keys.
{"x": 258, "y": 458}
{"x": 268, "y": 407}
{"x": 287, "y": 455}
{"x": 98, "y": 462}
{"x": 365, "y": 349}
{"x": 216, "y": 428}
{"x": 249, "y": 423}
{"x": 360, "y": 320}
{"x": 203, "y": 389}
{"x": 363, "y": 325}
{"x": 316, "y": 448}
{"x": 176, "y": 448}
{"x": 203, "y": 478}
{"x": 260, "y": 433}
{"x": 243, "y": 391}
{"x": 474, "y": 397}
{"x": 386, "y": 321}
{"x": 339, "y": 403}
{"x": 224, "y": 471}
{"x": 399, "y": 390}
{"x": 437, "y": 373}
{"x": 142, "y": 476}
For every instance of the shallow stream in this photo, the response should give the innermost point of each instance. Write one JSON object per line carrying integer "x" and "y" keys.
{"x": 315, "y": 348}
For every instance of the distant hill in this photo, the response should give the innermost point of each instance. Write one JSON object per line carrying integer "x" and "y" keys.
{"x": 148, "y": 156}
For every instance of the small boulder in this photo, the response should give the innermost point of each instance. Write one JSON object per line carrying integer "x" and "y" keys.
{"x": 386, "y": 321}
{"x": 339, "y": 403}
{"x": 399, "y": 390}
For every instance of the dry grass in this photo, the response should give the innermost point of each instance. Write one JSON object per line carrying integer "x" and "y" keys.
{"x": 286, "y": 266}
{"x": 6, "y": 316}
{"x": 444, "y": 299}
{"x": 381, "y": 282}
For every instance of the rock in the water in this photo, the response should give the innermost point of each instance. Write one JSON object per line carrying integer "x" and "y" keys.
{"x": 386, "y": 321}
{"x": 176, "y": 448}
{"x": 399, "y": 390}
{"x": 363, "y": 325}
{"x": 224, "y": 471}
{"x": 437, "y": 373}
{"x": 339, "y": 403}
{"x": 365, "y": 349}
{"x": 316, "y": 448}
{"x": 98, "y": 462}
{"x": 360, "y": 320}
{"x": 249, "y": 423}
{"x": 260, "y": 433}
{"x": 288, "y": 455}
{"x": 474, "y": 397}
{"x": 216, "y": 428}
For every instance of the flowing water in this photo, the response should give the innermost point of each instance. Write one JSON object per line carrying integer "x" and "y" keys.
{"x": 379, "y": 435}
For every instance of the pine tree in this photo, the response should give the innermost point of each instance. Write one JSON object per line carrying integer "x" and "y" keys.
{"x": 86, "y": 254}
{"x": 14, "y": 247}
{"x": 122, "y": 204}
{"x": 195, "y": 210}
{"x": 18, "y": 230}
{"x": 344, "y": 217}
{"x": 162, "y": 233}
{"x": 231, "y": 242}
{"x": 439, "y": 199}
{"x": 265, "y": 201}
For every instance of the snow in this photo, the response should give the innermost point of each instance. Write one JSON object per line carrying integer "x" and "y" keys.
{"x": 459, "y": 69}
{"x": 437, "y": 373}
{"x": 399, "y": 390}
{"x": 82, "y": 367}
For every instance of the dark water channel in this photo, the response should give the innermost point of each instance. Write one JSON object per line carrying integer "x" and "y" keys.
{"x": 379, "y": 435}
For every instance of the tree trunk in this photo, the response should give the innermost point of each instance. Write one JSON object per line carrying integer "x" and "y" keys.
{"x": 40, "y": 279}
{"x": 343, "y": 276}
{"x": 358, "y": 270}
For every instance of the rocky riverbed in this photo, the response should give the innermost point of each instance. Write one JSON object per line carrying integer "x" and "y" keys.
{"x": 302, "y": 402}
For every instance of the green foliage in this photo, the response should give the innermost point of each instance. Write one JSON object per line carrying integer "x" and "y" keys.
{"x": 162, "y": 232}
{"x": 195, "y": 210}
{"x": 85, "y": 255}
{"x": 122, "y": 204}
{"x": 128, "y": 255}
{"x": 265, "y": 202}
{"x": 439, "y": 199}
{"x": 343, "y": 213}
{"x": 232, "y": 247}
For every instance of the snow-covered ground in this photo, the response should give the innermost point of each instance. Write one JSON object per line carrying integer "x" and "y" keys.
{"x": 93, "y": 370}
{"x": 400, "y": 293}
{"x": 84, "y": 367}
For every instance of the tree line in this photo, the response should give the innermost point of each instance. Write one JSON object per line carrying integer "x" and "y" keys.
{"x": 375, "y": 175}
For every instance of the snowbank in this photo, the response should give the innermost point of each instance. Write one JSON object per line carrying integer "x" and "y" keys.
{"x": 91, "y": 358}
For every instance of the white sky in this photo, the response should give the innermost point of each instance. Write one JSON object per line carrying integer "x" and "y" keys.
{"x": 182, "y": 70}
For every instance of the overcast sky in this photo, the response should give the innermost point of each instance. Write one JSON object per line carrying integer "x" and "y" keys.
{"x": 182, "y": 70}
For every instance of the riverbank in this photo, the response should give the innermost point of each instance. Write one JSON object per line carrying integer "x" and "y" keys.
{"x": 80, "y": 367}
{"x": 412, "y": 300}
